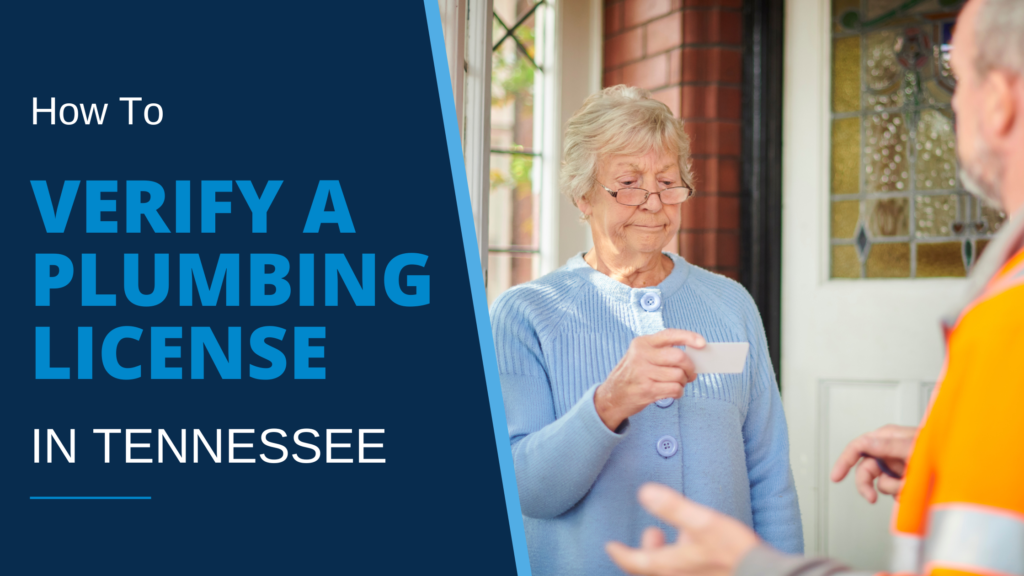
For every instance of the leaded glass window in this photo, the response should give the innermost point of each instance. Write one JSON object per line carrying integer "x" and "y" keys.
{"x": 517, "y": 90}
{"x": 898, "y": 208}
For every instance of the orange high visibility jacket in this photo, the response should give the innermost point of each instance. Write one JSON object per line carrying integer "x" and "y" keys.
{"x": 961, "y": 509}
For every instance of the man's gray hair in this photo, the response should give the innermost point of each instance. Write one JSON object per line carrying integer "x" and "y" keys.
{"x": 1000, "y": 36}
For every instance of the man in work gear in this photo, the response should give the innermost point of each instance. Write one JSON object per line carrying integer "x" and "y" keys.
{"x": 961, "y": 502}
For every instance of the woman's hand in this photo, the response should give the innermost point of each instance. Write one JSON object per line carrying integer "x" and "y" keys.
{"x": 892, "y": 444}
{"x": 652, "y": 369}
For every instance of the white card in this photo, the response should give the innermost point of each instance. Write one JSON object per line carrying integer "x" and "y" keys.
{"x": 719, "y": 357}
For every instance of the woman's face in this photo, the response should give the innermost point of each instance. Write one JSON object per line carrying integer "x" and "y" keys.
{"x": 634, "y": 230}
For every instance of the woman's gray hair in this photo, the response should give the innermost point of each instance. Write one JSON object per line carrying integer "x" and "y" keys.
{"x": 620, "y": 120}
{"x": 999, "y": 34}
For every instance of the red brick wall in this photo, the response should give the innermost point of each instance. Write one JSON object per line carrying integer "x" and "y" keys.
{"x": 689, "y": 54}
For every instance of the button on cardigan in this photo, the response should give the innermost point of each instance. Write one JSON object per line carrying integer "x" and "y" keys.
{"x": 558, "y": 338}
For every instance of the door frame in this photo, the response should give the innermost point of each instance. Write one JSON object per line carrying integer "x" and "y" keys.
{"x": 869, "y": 331}
{"x": 761, "y": 169}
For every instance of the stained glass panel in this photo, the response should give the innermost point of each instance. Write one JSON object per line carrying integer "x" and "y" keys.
{"x": 888, "y": 217}
{"x": 842, "y": 7}
{"x": 888, "y": 261}
{"x": 882, "y": 69}
{"x": 877, "y": 7}
{"x": 844, "y": 219}
{"x": 846, "y": 156}
{"x": 898, "y": 207}
{"x": 936, "y": 151}
{"x": 940, "y": 259}
{"x": 935, "y": 215}
{"x": 885, "y": 153}
{"x": 979, "y": 247}
{"x": 993, "y": 219}
{"x": 846, "y": 79}
{"x": 845, "y": 262}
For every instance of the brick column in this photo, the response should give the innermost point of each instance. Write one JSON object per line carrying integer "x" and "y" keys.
{"x": 689, "y": 54}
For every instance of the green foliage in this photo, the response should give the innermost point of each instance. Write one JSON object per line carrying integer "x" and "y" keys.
{"x": 520, "y": 172}
{"x": 522, "y": 168}
{"x": 512, "y": 84}
{"x": 519, "y": 81}
{"x": 512, "y": 74}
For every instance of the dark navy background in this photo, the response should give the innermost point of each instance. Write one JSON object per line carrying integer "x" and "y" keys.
{"x": 341, "y": 91}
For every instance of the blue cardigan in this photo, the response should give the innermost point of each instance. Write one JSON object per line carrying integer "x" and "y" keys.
{"x": 724, "y": 444}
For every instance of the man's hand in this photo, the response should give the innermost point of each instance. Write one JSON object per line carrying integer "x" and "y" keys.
{"x": 709, "y": 543}
{"x": 891, "y": 444}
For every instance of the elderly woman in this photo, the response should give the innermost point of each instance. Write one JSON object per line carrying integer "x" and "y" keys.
{"x": 599, "y": 396}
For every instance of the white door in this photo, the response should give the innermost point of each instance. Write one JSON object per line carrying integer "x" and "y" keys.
{"x": 860, "y": 353}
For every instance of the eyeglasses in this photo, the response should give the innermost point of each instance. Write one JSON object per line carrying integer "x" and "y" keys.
{"x": 639, "y": 196}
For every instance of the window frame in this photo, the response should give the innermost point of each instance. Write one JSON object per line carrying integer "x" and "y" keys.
{"x": 560, "y": 234}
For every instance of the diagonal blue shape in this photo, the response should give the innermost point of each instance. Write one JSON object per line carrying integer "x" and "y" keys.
{"x": 476, "y": 283}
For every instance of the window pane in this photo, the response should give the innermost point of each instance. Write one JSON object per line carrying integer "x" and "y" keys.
{"x": 889, "y": 261}
{"x": 846, "y": 156}
{"x": 840, "y": 7}
{"x": 514, "y": 203}
{"x": 887, "y": 168}
{"x": 513, "y": 80}
{"x": 510, "y": 11}
{"x": 883, "y": 71}
{"x": 846, "y": 75}
{"x": 893, "y": 166}
{"x": 936, "y": 151}
{"x": 942, "y": 259}
{"x": 935, "y": 215}
{"x": 514, "y": 219}
{"x": 992, "y": 218}
{"x": 845, "y": 263}
{"x": 525, "y": 34}
{"x": 505, "y": 270}
{"x": 888, "y": 217}
{"x": 845, "y": 216}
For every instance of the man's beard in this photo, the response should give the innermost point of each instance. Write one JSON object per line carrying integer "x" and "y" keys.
{"x": 983, "y": 177}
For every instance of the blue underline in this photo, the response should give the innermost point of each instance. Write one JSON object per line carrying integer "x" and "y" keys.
{"x": 90, "y": 497}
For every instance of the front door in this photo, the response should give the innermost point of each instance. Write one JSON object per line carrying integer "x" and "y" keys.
{"x": 877, "y": 235}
